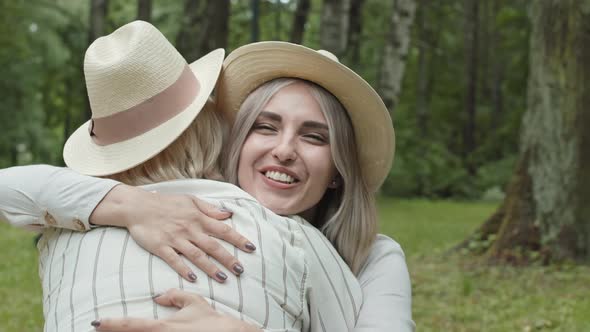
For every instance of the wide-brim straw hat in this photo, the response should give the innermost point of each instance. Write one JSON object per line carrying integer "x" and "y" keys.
{"x": 252, "y": 65}
{"x": 142, "y": 94}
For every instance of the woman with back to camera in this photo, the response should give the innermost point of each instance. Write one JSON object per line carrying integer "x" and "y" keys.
{"x": 379, "y": 264}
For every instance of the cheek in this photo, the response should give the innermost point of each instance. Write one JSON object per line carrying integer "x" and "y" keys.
{"x": 323, "y": 166}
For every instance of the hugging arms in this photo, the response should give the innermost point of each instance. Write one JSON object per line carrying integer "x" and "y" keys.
{"x": 297, "y": 146}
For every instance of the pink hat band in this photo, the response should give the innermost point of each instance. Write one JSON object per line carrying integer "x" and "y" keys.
{"x": 147, "y": 115}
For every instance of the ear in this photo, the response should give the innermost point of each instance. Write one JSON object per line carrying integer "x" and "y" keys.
{"x": 335, "y": 183}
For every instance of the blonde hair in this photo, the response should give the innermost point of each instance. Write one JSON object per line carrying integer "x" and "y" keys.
{"x": 346, "y": 215}
{"x": 194, "y": 154}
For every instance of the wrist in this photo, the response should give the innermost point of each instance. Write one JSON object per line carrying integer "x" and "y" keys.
{"x": 116, "y": 207}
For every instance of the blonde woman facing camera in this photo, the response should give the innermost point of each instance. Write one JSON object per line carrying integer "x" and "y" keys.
{"x": 298, "y": 150}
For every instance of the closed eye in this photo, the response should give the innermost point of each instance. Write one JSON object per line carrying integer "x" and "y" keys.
{"x": 264, "y": 128}
{"x": 318, "y": 138}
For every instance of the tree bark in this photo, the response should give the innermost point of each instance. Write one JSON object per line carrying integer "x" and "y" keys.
{"x": 424, "y": 83}
{"x": 334, "y": 26}
{"x": 471, "y": 61}
{"x": 204, "y": 28}
{"x": 355, "y": 24}
{"x": 395, "y": 51}
{"x": 547, "y": 206}
{"x": 255, "y": 32}
{"x": 97, "y": 19}
{"x": 278, "y": 9}
{"x": 496, "y": 74}
{"x": 299, "y": 21}
{"x": 144, "y": 10}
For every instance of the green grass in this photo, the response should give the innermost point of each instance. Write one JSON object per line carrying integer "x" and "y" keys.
{"x": 451, "y": 293}
{"x": 20, "y": 288}
{"x": 457, "y": 293}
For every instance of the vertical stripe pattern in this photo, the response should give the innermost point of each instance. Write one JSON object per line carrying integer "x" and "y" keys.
{"x": 291, "y": 271}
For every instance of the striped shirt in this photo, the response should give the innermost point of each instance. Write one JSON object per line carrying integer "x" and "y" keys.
{"x": 294, "y": 281}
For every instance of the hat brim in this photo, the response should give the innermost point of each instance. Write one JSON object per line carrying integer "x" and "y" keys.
{"x": 83, "y": 155}
{"x": 250, "y": 66}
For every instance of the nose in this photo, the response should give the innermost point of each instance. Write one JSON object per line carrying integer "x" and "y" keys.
{"x": 285, "y": 150}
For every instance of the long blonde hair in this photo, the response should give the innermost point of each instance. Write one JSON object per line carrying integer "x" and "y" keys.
{"x": 346, "y": 215}
{"x": 194, "y": 154}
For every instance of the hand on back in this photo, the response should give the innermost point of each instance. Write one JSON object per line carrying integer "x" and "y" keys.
{"x": 170, "y": 225}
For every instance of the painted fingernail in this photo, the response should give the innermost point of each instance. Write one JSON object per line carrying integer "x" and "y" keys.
{"x": 221, "y": 275}
{"x": 250, "y": 246}
{"x": 192, "y": 276}
{"x": 238, "y": 268}
{"x": 95, "y": 323}
{"x": 222, "y": 209}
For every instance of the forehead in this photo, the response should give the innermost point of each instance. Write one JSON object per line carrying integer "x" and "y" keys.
{"x": 294, "y": 102}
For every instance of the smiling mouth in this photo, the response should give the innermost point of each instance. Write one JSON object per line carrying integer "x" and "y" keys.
{"x": 280, "y": 177}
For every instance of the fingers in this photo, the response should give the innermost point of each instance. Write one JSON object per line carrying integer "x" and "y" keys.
{"x": 213, "y": 248}
{"x": 211, "y": 210}
{"x": 127, "y": 325}
{"x": 221, "y": 230}
{"x": 173, "y": 259}
{"x": 226, "y": 233}
{"x": 200, "y": 259}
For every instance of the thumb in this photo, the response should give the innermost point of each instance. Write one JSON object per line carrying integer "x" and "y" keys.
{"x": 179, "y": 299}
{"x": 210, "y": 210}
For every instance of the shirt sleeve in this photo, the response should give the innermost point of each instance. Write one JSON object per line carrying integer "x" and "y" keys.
{"x": 38, "y": 196}
{"x": 387, "y": 292}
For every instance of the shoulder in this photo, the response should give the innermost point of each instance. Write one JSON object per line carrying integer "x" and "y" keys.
{"x": 384, "y": 245}
{"x": 386, "y": 258}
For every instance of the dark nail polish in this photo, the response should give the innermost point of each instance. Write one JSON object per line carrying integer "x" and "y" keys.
{"x": 226, "y": 210}
{"x": 95, "y": 323}
{"x": 238, "y": 268}
{"x": 192, "y": 276}
{"x": 221, "y": 275}
{"x": 250, "y": 246}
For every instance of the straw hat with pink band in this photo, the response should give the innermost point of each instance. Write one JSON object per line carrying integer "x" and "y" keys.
{"x": 250, "y": 66}
{"x": 143, "y": 95}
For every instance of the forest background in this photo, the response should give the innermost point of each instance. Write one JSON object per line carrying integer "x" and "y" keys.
{"x": 485, "y": 97}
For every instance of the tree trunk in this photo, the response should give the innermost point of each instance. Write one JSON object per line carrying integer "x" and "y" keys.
{"x": 471, "y": 61}
{"x": 547, "y": 206}
{"x": 255, "y": 32}
{"x": 334, "y": 26}
{"x": 278, "y": 9}
{"x": 299, "y": 21}
{"x": 497, "y": 75}
{"x": 97, "y": 19}
{"x": 204, "y": 28}
{"x": 190, "y": 38}
{"x": 218, "y": 12}
{"x": 144, "y": 10}
{"x": 395, "y": 51}
{"x": 98, "y": 14}
{"x": 355, "y": 24}
{"x": 424, "y": 81}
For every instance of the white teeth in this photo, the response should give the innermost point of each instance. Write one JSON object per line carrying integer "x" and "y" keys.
{"x": 278, "y": 176}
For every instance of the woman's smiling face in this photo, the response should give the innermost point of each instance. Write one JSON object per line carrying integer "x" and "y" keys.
{"x": 286, "y": 162}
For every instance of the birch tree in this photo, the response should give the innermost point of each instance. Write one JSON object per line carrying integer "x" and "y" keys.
{"x": 395, "y": 51}
{"x": 334, "y": 26}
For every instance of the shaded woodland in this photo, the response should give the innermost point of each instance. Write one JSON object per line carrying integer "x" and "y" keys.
{"x": 488, "y": 97}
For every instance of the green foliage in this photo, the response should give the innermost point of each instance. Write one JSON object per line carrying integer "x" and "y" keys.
{"x": 44, "y": 98}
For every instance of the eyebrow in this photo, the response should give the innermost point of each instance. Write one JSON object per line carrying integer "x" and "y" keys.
{"x": 308, "y": 124}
